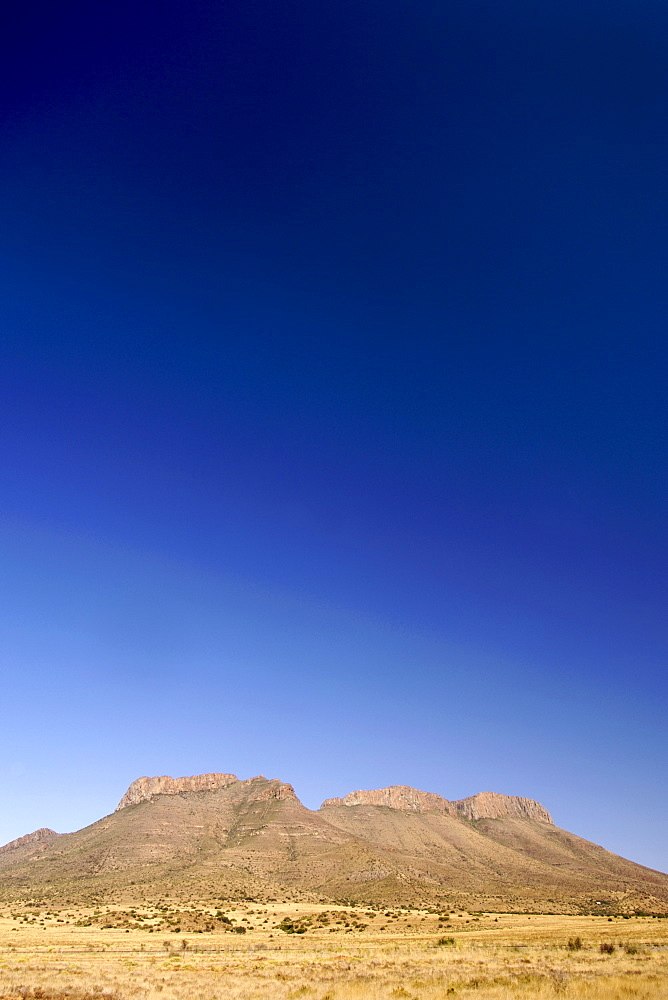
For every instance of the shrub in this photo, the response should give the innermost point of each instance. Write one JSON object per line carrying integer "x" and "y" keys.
{"x": 448, "y": 942}
{"x": 574, "y": 944}
{"x": 607, "y": 948}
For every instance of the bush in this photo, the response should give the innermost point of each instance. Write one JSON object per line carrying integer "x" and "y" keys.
{"x": 607, "y": 948}
{"x": 574, "y": 944}
{"x": 448, "y": 942}
{"x": 292, "y": 927}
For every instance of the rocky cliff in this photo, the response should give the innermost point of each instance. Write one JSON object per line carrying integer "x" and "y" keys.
{"x": 491, "y": 805}
{"x": 484, "y": 805}
{"x": 278, "y": 790}
{"x": 44, "y": 834}
{"x": 143, "y": 789}
{"x": 395, "y": 797}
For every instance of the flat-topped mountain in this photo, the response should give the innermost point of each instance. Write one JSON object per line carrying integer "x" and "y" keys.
{"x": 215, "y": 836}
{"x": 484, "y": 805}
{"x": 144, "y": 789}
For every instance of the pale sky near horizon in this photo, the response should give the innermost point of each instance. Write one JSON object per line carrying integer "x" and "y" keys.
{"x": 333, "y": 404}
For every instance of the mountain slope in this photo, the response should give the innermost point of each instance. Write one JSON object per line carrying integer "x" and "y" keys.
{"x": 214, "y": 837}
{"x": 494, "y": 846}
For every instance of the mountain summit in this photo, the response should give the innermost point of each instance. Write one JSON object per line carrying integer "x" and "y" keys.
{"x": 144, "y": 789}
{"x": 484, "y": 805}
{"x": 214, "y": 836}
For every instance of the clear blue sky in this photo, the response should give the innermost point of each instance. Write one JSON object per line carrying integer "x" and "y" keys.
{"x": 333, "y": 403}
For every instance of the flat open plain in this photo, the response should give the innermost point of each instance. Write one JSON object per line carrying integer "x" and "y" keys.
{"x": 319, "y": 952}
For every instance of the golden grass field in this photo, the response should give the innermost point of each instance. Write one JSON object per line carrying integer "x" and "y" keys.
{"x": 345, "y": 953}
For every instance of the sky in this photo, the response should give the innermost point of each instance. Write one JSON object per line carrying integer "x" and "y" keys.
{"x": 333, "y": 403}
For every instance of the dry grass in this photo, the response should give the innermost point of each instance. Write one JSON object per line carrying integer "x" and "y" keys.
{"x": 325, "y": 953}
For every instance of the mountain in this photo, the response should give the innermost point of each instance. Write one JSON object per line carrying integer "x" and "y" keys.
{"x": 38, "y": 837}
{"x": 214, "y": 836}
{"x": 484, "y": 805}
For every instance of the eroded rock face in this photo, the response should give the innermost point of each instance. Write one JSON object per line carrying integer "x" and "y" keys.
{"x": 484, "y": 805}
{"x": 279, "y": 791}
{"x": 395, "y": 797}
{"x": 30, "y": 838}
{"x": 491, "y": 805}
{"x": 144, "y": 789}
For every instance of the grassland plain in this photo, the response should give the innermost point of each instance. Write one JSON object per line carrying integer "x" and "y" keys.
{"x": 280, "y": 951}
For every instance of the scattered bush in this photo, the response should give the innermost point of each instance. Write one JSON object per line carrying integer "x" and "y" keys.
{"x": 289, "y": 926}
{"x": 607, "y": 948}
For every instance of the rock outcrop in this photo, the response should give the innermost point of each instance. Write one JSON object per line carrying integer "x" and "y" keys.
{"x": 484, "y": 805}
{"x": 395, "y": 797}
{"x": 38, "y": 836}
{"x": 280, "y": 791}
{"x": 144, "y": 789}
{"x": 491, "y": 805}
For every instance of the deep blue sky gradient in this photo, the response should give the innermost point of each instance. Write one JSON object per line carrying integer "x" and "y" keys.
{"x": 333, "y": 403}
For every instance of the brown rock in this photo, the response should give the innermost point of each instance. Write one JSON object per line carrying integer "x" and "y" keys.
{"x": 30, "y": 838}
{"x": 280, "y": 791}
{"x": 484, "y": 805}
{"x": 144, "y": 789}
{"x": 395, "y": 797}
{"x": 491, "y": 805}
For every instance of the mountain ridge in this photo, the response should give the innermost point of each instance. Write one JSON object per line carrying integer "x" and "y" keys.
{"x": 215, "y": 836}
{"x": 144, "y": 788}
{"x": 483, "y": 805}
{"x": 36, "y": 837}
